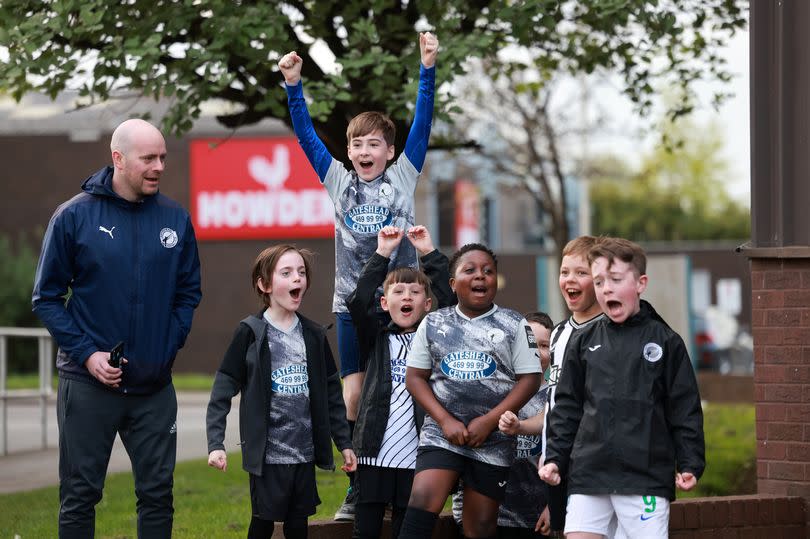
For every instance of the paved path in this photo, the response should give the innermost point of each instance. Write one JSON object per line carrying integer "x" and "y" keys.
{"x": 27, "y": 466}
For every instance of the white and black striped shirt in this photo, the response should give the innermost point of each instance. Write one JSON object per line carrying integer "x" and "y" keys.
{"x": 398, "y": 449}
{"x": 560, "y": 336}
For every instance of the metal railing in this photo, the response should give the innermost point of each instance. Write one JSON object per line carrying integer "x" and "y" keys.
{"x": 45, "y": 355}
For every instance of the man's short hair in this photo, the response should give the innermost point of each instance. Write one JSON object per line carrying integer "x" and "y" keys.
{"x": 619, "y": 248}
{"x": 407, "y": 276}
{"x": 366, "y": 123}
{"x": 579, "y": 246}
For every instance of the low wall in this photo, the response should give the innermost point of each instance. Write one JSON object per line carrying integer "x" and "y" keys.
{"x": 716, "y": 387}
{"x": 726, "y": 517}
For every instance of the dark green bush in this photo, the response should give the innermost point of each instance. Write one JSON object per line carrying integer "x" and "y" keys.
{"x": 18, "y": 264}
{"x": 731, "y": 451}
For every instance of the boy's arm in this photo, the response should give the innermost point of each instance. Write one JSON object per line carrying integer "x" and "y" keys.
{"x": 360, "y": 303}
{"x": 563, "y": 420}
{"x": 683, "y": 410}
{"x": 482, "y": 426}
{"x": 416, "y": 381}
{"x": 526, "y": 366}
{"x": 434, "y": 264}
{"x": 417, "y": 143}
{"x": 315, "y": 150}
{"x": 511, "y": 424}
{"x": 228, "y": 381}
{"x": 417, "y": 375}
{"x": 338, "y": 426}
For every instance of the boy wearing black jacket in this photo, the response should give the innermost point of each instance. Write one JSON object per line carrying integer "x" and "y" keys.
{"x": 386, "y": 432}
{"x": 628, "y": 417}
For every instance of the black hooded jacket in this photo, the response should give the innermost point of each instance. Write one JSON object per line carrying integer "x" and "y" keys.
{"x": 375, "y": 399}
{"x": 245, "y": 370}
{"x": 628, "y": 412}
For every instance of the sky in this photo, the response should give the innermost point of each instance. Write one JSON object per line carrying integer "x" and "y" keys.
{"x": 732, "y": 118}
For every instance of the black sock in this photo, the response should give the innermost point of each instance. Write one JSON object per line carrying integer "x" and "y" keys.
{"x": 351, "y": 436}
{"x": 260, "y": 528}
{"x": 417, "y": 524}
{"x": 295, "y": 529}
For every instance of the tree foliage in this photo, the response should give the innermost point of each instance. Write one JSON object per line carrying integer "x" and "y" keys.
{"x": 191, "y": 51}
{"x": 677, "y": 193}
{"x": 18, "y": 265}
{"x": 507, "y": 111}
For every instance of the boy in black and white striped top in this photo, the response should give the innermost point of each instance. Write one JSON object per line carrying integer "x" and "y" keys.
{"x": 386, "y": 432}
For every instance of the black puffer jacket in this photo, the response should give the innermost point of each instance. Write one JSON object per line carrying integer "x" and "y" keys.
{"x": 244, "y": 370}
{"x": 627, "y": 413}
{"x": 375, "y": 399}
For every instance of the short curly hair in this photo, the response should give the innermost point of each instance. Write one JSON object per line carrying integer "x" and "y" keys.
{"x": 466, "y": 249}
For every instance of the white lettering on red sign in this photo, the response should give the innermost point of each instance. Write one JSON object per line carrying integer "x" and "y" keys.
{"x": 236, "y": 209}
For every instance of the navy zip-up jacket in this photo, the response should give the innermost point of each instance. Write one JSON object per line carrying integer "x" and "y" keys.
{"x": 133, "y": 274}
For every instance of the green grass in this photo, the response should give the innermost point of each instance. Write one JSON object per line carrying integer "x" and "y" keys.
{"x": 182, "y": 382}
{"x": 209, "y": 503}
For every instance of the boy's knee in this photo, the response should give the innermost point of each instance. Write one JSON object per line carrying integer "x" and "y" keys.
{"x": 478, "y": 527}
{"x": 422, "y": 497}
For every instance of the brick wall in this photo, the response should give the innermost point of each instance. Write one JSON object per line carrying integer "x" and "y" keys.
{"x": 781, "y": 329}
{"x": 730, "y": 517}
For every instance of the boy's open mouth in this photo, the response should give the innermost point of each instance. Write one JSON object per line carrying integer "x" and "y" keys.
{"x": 366, "y": 164}
{"x": 479, "y": 289}
{"x": 295, "y": 293}
{"x": 406, "y": 309}
{"x": 614, "y": 305}
{"x": 572, "y": 293}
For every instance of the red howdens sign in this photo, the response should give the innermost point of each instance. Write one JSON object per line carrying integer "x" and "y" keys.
{"x": 256, "y": 188}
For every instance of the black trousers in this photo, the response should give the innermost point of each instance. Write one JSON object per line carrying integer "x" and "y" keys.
{"x": 89, "y": 417}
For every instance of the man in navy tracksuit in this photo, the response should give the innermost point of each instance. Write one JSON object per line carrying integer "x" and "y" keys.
{"x": 125, "y": 257}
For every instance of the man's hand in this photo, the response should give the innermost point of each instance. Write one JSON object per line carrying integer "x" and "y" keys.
{"x": 388, "y": 238}
{"x": 98, "y": 366}
{"x": 509, "y": 423}
{"x": 543, "y": 525}
{"x": 685, "y": 480}
{"x": 550, "y": 473}
{"x": 290, "y": 66}
{"x": 419, "y": 237}
{"x": 429, "y": 48}
{"x": 218, "y": 459}
{"x": 349, "y": 460}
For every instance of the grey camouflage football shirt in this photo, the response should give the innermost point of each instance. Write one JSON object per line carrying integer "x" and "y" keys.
{"x": 289, "y": 426}
{"x": 473, "y": 364}
{"x": 361, "y": 210}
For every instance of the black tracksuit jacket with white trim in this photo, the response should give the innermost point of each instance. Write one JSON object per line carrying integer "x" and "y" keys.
{"x": 627, "y": 413}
